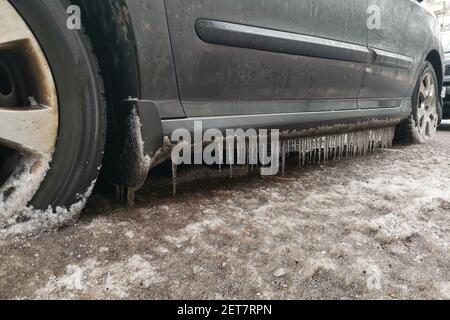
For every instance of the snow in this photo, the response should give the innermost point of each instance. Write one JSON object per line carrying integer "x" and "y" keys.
{"x": 30, "y": 221}
{"x": 99, "y": 281}
{"x": 279, "y": 273}
{"x": 135, "y": 127}
{"x": 24, "y": 183}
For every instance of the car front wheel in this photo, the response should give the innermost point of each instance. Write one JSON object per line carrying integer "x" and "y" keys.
{"x": 52, "y": 110}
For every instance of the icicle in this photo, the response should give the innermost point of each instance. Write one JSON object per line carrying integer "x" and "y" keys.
{"x": 247, "y": 155}
{"x": 364, "y": 143}
{"x": 330, "y": 148}
{"x": 380, "y": 138}
{"x": 319, "y": 150}
{"x": 300, "y": 152}
{"x": 347, "y": 144}
{"x": 374, "y": 139}
{"x": 283, "y": 156}
{"x": 335, "y": 147}
{"x": 360, "y": 143}
{"x": 330, "y": 145}
{"x": 307, "y": 160}
{"x": 230, "y": 151}
{"x": 174, "y": 178}
{"x": 220, "y": 154}
{"x": 308, "y": 151}
{"x": 339, "y": 139}
{"x": 304, "y": 151}
{"x": 253, "y": 155}
{"x": 315, "y": 150}
{"x": 366, "y": 150}
{"x": 391, "y": 137}
{"x": 240, "y": 150}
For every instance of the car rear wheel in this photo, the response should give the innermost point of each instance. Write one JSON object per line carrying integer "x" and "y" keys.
{"x": 52, "y": 112}
{"x": 422, "y": 125}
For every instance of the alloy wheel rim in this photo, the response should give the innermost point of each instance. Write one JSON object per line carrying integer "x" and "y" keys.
{"x": 427, "y": 116}
{"x": 28, "y": 112}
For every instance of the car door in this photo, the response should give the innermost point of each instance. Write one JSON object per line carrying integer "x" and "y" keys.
{"x": 239, "y": 57}
{"x": 388, "y": 76}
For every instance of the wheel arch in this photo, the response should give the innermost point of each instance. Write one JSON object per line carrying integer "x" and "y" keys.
{"x": 110, "y": 27}
{"x": 434, "y": 58}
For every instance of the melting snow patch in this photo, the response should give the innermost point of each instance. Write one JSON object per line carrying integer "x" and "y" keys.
{"x": 390, "y": 227}
{"x": 129, "y": 234}
{"x": 445, "y": 290}
{"x": 194, "y": 230}
{"x": 94, "y": 281}
{"x": 279, "y": 273}
{"x": 314, "y": 265}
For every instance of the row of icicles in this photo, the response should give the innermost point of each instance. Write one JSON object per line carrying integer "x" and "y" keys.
{"x": 322, "y": 149}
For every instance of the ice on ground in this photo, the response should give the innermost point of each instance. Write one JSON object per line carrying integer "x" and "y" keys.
{"x": 365, "y": 228}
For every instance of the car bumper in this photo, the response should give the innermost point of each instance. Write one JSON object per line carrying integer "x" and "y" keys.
{"x": 446, "y": 104}
{"x": 445, "y": 94}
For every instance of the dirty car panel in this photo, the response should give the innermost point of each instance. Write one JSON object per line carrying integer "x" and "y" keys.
{"x": 289, "y": 65}
{"x": 280, "y": 64}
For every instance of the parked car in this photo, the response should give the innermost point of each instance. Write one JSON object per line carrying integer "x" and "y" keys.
{"x": 445, "y": 35}
{"x": 73, "y": 100}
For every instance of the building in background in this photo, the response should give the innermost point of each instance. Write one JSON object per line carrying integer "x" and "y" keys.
{"x": 441, "y": 9}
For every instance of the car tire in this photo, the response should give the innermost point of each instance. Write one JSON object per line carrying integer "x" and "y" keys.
{"x": 82, "y": 122}
{"x": 426, "y": 114}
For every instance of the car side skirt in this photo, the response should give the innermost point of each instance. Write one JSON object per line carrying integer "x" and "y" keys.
{"x": 346, "y": 120}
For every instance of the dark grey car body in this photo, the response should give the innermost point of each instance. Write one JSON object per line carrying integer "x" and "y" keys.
{"x": 446, "y": 46}
{"x": 286, "y": 64}
{"x": 446, "y": 104}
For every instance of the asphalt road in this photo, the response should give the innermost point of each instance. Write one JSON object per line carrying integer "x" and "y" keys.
{"x": 370, "y": 227}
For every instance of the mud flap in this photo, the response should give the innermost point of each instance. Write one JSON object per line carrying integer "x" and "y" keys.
{"x": 143, "y": 137}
